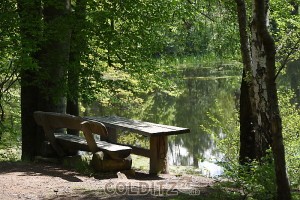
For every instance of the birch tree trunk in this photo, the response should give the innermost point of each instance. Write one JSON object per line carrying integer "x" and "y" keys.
{"x": 263, "y": 54}
{"x": 259, "y": 82}
{"x": 264, "y": 99}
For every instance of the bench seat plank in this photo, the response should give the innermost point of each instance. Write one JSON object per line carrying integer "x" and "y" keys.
{"x": 143, "y": 128}
{"x": 115, "y": 151}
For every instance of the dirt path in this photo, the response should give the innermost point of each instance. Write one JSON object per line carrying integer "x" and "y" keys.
{"x": 43, "y": 181}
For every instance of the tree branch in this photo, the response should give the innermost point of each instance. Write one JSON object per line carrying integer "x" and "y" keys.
{"x": 205, "y": 15}
{"x": 286, "y": 59}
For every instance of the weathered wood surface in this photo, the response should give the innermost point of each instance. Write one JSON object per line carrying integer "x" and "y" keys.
{"x": 140, "y": 151}
{"x": 101, "y": 163}
{"x": 158, "y": 138}
{"x": 63, "y": 142}
{"x": 140, "y": 127}
{"x": 159, "y": 155}
{"x": 115, "y": 151}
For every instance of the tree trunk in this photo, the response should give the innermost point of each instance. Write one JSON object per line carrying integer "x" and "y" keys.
{"x": 260, "y": 76}
{"x": 247, "y": 120}
{"x": 247, "y": 117}
{"x": 30, "y": 32}
{"x": 78, "y": 48}
{"x": 259, "y": 73}
{"x": 269, "y": 126}
{"x": 55, "y": 55}
{"x": 45, "y": 54}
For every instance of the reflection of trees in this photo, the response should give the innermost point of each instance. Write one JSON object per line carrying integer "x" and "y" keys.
{"x": 191, "y": 108}
{"x": 188, "y": 110}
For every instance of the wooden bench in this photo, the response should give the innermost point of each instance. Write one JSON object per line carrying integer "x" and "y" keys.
{"x": 106, "y": 156}
{"x": 158, "y": 138}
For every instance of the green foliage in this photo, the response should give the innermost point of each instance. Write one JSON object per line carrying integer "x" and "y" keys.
{"x": 255, "y": 180}
{"x": 121, "y": 43}
{"x": 291, "y": 129}
{"x": 134, "y": 139}
{"x": 203, "y": 28}
{"x": 10, "y": 141}
{"x": 130, "y": 42}
{"x": 285, "y": 26}
{"x": 9, "y": 89}
{"x": 9, "y": 47}
{"x": 224, "y": 130}
{"x": 122, "y": 48}
{"x": 10, "y": 154}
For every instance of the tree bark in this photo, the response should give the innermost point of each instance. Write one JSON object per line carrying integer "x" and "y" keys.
{"x": 55, "y": 55}
{"x": 247, "y": 120}
{"x": 259, "y": 73}
{"x": 77, "y": 50}
{"x": 247, "y": 117}
{"x": 45, "y": 44}
{"x": 263, "y": 71}
{"x": 260, "y": 76}
{"x": 30, "y": 32}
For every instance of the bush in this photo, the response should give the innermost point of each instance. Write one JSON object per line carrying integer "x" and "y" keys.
{"x": 255, "y": 180}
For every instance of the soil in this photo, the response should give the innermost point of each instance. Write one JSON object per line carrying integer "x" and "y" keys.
{"x": 21, "y": 180}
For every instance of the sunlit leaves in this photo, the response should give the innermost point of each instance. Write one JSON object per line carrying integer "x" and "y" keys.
{"x": 125, "y": 37}
{"x": 291, "y": 132}
{"x": 9, "y": 49}
{"x": 285, "y": 26}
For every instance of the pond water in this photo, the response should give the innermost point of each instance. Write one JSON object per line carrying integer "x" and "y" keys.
{"x": 204, "y": 91}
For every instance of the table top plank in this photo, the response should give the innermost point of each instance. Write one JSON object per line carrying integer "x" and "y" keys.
{"x": 140, "y": 127}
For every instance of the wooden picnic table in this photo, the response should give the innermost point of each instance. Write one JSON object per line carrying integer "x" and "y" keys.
{"x": 157, "y": 133}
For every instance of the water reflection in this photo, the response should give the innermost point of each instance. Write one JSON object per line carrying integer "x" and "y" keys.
{"x": 201, "y": 89}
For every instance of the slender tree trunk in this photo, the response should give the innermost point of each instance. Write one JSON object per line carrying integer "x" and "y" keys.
{"x": 265, "y": 94}
{"x": 247, "y": 120}
{"x": 78, "y": 47}
{"x": 247, "y": 117}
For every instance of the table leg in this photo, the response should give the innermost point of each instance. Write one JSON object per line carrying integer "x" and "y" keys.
{"x": 112, "y": 135}
{"x": 158, "y": 155}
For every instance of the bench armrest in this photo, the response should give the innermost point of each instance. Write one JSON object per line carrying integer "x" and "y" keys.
{"x": 90, "y": 127}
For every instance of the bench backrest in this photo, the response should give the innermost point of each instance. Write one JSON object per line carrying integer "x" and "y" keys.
{"x": 54, "y": 121}
{"x": 51, "y": 121}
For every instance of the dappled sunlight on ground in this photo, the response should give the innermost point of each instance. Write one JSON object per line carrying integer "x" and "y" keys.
{"x": 44, "y": 181}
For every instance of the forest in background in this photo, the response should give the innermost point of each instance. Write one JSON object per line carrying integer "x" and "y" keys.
{"x": 83, "y": 51}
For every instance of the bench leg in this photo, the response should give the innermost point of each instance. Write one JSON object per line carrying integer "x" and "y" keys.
{"x": 158, "y": 155}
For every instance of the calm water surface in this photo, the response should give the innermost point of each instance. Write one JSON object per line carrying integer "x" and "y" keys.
{"x": 204, "y": 92}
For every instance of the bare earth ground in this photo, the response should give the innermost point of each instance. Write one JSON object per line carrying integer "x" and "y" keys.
{"x": 20, "y": 180}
